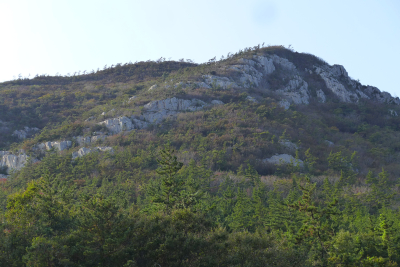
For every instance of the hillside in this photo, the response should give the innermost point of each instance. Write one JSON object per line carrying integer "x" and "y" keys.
{"x": 257, "y": 133}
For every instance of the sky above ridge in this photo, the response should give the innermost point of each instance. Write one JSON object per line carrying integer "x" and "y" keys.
{"x": 49, "y": 37}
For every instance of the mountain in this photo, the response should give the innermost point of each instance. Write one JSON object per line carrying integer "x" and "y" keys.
{"x": 241, "y": 148}
{"x": 63, "y": 112}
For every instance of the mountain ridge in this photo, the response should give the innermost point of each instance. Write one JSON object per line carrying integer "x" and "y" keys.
{"x": 166, "y": 90}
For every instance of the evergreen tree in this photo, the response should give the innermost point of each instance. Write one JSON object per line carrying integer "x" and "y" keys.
{"x": 241, "y": 218}
{"x": 319, "y": 223}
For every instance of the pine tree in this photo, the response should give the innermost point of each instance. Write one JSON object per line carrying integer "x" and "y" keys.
{"x": 318, "y": 226}
{"x": 381, "y": 195}
{"x": 170, "y": 184}
{"x": 241, "y": 218}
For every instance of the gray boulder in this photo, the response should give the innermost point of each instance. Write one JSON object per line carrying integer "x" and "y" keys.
{"x": 131, "y": 99}
{"x": 84, "y": 151}
{"x": 288, "y": 144}
{"x": 153, "y": 87}
{"x": 82, "y": 141}
{"x": 329, "y": 143}
{"x": 283, "y": 159}
{"x": 60, "y": 145}
{"x": 117, "y": 125}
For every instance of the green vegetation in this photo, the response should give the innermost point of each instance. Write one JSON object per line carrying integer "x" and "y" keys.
{"x": 72, "y": 213}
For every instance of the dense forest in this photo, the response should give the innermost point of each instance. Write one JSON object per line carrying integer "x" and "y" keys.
{"x": 196, "y": 189}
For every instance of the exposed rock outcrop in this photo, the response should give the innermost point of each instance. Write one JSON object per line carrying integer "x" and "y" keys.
{"x": 330, "y": 75}
{"x": 284, "y": 104}
{"x": 283, "y": 62}
{"x": 153, "y": 87}
{"x": 383, "y": 97}
{"x": 117, "y": 125}
{"x": 89, "y": 139}
{"x": 266, "y": 64}
{"x": 25, "y": 133}
{"x": 284, "y": 159}
{"x": 13, "y": 161}
{"x": 329, "y": 143}
{"x": 153, "y": 112}
{"x": 321, "y": 96}
{"x": 393, "y": 113}
{"x": 156, "y": 111}
{"x": 296, "y": 91}
{"x": 219, "y": 82}
{"x": 251, "y": 99}
{"x": 59, "y": 145}
{"x": 288, "y": 144}
{"x": 253, "y": 70}
{"x": 203, "y": 85}
{"x": 217, "y": 102}
{"x": 131, "y": 99}
{"x": 84, "y": 151}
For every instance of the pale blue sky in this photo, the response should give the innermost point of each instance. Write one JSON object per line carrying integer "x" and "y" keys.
{"x": 65, "y": 36}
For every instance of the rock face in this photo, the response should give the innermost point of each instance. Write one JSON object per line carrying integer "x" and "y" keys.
{"x": 156, "y": 111}
{"x": 25, "y": 133}
{"x": 117, "y": 125}
{"x": 219, "y": 82}
{"x": 84, "y": 151}
{"x": 347, "y": 90}
{"x": 59, "y": 145}
{"x": 393, "y": 113}
{"x": 11, "y": 161}
{"x": 329, "y": 75}
{"x": 253, "y": 70}
{"x": 296, "y": 91}
{"x": 321, "y": 96}
{"x": 383, "y": 97}
{"x": 283, "y": 62}
{"x": 153, "y": 112}
{"x": 89, "y": 139}
{"x": 284, "y": 104}
{"x": 283, "y": 159}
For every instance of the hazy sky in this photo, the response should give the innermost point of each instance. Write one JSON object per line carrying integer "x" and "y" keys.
{"x": 64, "y": 36}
